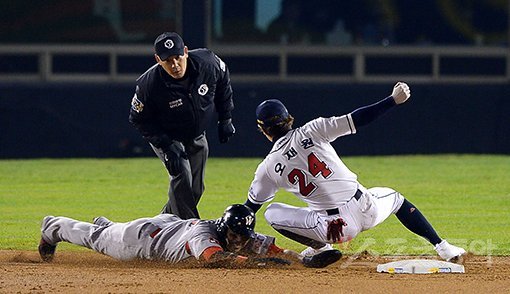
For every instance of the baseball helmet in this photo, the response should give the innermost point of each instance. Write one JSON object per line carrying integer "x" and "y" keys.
{"x": 239, "y": 219}
{"x": 235, "y": 227}
{"x": 271, "y": 112}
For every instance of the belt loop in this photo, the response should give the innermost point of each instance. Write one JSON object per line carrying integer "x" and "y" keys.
{"x": 332, "y": 211}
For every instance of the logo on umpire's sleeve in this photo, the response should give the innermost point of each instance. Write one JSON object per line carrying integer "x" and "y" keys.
{"x": 136, "y": 104}
{"x": 202, "y": 90}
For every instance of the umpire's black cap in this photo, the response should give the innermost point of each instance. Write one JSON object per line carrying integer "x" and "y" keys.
{"x": 271, "y": 112}
{"x": 168, "y": 44}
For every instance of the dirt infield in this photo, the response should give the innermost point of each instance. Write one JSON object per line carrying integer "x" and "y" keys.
{"x": 89, "y": 272}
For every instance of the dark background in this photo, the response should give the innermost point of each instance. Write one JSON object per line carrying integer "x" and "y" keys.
{"x": 76, "y": 120}
{"x": 90, "y": 119}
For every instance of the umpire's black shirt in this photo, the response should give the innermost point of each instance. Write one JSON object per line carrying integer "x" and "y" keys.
{"x": 164, "y": 109}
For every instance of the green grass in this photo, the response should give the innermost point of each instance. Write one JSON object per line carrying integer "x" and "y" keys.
{"x": 465, "y": 197}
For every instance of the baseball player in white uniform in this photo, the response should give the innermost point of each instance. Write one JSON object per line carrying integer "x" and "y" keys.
{"x": 303, "y": 162}
{"x": 227, "y": 241}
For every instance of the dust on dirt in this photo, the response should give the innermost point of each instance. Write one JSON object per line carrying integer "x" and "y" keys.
{"x": 90, "y": 272}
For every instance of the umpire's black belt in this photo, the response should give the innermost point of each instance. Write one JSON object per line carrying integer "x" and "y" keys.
{"x": 334, "y": 211}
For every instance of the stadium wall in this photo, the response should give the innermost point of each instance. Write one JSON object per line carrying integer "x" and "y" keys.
{"x": 91, "y": 120}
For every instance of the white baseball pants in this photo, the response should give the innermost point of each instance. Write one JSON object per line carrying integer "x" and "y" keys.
{"x": 372, "y": 208}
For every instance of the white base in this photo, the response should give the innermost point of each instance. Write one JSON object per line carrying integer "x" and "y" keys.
{"x": 420, "y": 266}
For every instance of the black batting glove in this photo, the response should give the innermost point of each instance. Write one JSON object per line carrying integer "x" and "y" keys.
{"x": 173, "y": 156}
{"x": 225, "y": 130}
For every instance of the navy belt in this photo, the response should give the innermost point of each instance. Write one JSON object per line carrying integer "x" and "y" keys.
{"x": 334, "y": 211}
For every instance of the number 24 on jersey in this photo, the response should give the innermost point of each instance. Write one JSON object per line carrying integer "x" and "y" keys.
{"x": 316, "y": 168}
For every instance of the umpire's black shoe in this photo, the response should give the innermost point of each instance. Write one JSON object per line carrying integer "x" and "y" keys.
{"x": 46, "y": 250}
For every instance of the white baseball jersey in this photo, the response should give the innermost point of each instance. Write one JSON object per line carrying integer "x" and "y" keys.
{"x": 303, "y": 162}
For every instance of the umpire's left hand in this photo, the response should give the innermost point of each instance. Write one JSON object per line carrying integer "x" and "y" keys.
{"x": 173, "y": 156}
{"x": 225, "y": 130}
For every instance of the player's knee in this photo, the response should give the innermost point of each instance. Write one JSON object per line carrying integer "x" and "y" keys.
{"x": 272, "y": 212}
{"x": 399, "y": 200}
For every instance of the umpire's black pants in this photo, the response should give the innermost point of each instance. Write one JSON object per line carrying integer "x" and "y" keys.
{"x": 187, "y": 187}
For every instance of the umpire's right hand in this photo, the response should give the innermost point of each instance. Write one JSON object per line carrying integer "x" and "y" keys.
{"x": 173, "y": 156}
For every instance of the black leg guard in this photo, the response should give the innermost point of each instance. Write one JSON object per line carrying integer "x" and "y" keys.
{"x": 301, "y": 239}
{"x": 412, "y": 219}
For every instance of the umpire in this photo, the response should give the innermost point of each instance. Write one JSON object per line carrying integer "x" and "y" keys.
{"x": 173, "y": 104}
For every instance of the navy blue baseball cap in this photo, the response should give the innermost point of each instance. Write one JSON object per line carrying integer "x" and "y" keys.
{"x": 168, "y": 44}
{"x": 271, "y": 112}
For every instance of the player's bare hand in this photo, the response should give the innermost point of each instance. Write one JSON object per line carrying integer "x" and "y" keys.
{"x": 335, "y": 229}
{"x": 401, "y": 92}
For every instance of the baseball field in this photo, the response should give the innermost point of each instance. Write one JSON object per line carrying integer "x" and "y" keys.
{"x": 465, "y": 197}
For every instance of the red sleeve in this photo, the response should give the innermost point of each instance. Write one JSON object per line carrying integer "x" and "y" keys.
{"x": 208, "y": 252}
{"x": 273, "y": 249}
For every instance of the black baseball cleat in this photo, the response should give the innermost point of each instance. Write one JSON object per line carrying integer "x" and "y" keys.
{"x": 46, "y": 250}
{"x": 322, "y": 259}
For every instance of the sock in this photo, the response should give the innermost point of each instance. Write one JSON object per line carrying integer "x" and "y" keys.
{"x": 412, "y": 219}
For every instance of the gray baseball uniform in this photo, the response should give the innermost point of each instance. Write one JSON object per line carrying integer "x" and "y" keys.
{"x": 163, "y": 237}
